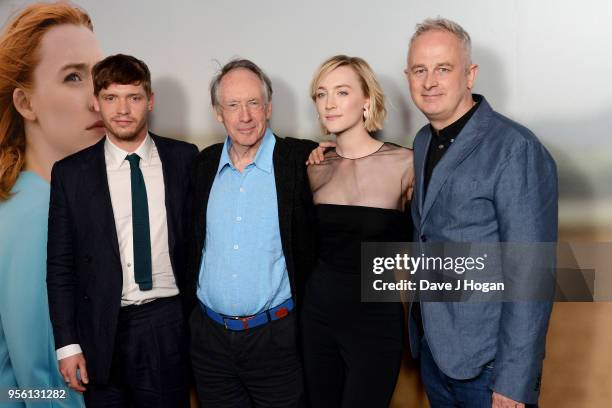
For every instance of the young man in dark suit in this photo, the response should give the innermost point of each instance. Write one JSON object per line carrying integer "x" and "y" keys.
{"x": 251, "y": 250}
{"x": 115, "y": 252}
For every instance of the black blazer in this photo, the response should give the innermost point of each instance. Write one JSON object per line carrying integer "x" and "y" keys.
{"x": 84, "y": 278}
{"x": 295, "y": 211}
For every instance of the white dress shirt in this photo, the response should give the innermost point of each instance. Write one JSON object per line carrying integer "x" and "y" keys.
{"x": 119, "y": 184}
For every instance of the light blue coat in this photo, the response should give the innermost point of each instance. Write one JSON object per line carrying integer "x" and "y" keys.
{"x": 27, "y": 351}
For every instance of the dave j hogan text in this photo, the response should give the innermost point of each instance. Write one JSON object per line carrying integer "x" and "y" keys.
{"x": 425, "y": 285}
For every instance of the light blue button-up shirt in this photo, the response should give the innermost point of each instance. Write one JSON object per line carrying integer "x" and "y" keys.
{"x": 243, "y": 269}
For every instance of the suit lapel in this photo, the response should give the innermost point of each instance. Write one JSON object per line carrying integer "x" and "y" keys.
{"x": 467, "y": 140}
{"x": 95, "y": 189}
{"x": 171, "y": 190}
{"x": 285, "y": 183}
{"x": 420, "y": 156}
{"x": 205, "y": 178}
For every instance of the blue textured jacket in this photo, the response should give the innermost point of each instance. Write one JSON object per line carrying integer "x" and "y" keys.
{"x": 496, "y": 183}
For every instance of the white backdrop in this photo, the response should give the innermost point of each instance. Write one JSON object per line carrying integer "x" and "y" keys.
{"x": 545, "y": 63}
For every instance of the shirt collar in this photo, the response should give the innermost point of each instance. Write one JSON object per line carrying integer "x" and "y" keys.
{"x": 452, "y": 131}
{"x": 263, "y": 157}
{"x": 115, "y": 156}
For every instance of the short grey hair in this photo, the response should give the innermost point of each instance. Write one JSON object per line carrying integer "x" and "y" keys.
{"x": 239, "y": 64}
{"x": 443, "y": 24}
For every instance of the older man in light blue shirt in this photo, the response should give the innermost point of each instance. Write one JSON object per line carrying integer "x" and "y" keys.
{"x": 243, "y": 270}
{"x": 250, "y": 251}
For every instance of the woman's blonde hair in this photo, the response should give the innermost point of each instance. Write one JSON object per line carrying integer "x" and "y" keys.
{"x": 19, "y": 56}
{"x": 369, "y": 85}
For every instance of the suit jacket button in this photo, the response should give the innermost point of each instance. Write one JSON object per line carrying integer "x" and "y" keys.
{"x": 85, "y": 297}
{"x": 87, "y": 259}
{"x": 424, "y": 238}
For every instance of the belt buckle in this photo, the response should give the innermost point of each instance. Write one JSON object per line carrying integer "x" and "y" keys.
{"x": 245, "y": 324}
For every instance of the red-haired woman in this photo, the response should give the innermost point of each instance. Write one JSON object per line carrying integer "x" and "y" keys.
{"x": 46, "y": 53}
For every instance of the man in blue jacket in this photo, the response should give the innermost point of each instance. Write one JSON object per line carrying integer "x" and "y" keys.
{"x": 481, "y": 178}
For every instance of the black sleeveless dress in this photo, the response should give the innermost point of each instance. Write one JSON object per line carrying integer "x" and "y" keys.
{"x": 352, "y": 350}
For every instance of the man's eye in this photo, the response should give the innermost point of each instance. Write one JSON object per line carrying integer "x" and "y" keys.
{"x": 73, "y": 77}
{"x": 342, "y": 93}
{"x": 320, "y": 94}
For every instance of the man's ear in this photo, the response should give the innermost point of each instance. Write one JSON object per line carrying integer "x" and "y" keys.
{"x": 218, "y": 114}
{"x": 268, "y": 110}
{"x": 151, "y": 102}
{"x": 23, "y": 103}
{"x": 471, "y": 74}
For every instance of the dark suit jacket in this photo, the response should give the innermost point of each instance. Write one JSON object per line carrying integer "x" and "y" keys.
{"x": 84, "y": 277}
{"x": 295, "y": 210}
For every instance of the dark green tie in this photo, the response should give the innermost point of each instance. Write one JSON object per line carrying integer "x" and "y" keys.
{"x": 140, "y": 226}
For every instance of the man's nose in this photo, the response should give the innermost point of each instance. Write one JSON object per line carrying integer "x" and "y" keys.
{"x": 245, "y": 113}
{"x": 123, "y": 106}
{"x": 430, "y": 80}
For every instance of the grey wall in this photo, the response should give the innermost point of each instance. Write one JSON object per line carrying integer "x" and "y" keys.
{"x": 547, "y": 64}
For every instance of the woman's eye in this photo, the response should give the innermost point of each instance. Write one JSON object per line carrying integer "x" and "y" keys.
{"x": 73, "y": 77}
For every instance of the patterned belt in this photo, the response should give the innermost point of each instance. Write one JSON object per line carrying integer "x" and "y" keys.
{"x": 248, "y": 322}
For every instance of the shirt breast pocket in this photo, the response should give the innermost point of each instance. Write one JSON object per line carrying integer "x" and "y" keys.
{"x": 267, "y": 224}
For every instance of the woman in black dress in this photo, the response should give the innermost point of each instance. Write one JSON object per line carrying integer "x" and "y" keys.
{"x": 352, "y": 350}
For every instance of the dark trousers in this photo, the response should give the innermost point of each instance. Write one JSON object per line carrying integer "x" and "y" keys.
{"x": 354, "y": 364}
{"x": 150, "y": 366}
{"x": 258, "y": 367}
{"x": 446, "y": 392}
